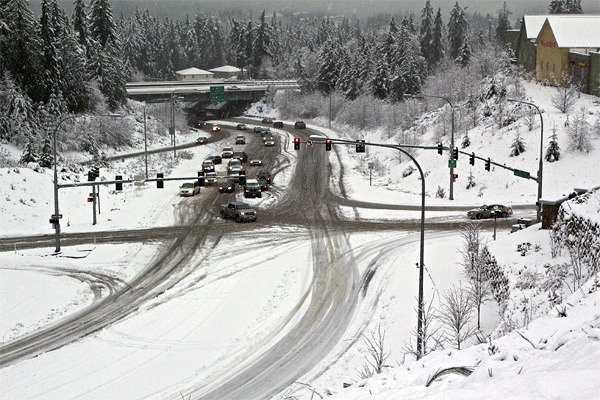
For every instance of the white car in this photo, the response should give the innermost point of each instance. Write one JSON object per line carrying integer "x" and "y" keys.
{"x": 210, "y": 177}
{"x": 189, "y": 189}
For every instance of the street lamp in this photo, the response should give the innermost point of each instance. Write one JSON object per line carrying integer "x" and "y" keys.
{"x": 541, "y": 164}
{"x": 145, "y": 141}
{"x": 451, "y": 137}
{"x": 56, "y": 216}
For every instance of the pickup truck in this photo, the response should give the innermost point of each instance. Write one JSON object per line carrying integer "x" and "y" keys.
{"x": 241, "y": 212}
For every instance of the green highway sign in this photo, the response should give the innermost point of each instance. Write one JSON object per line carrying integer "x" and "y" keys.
{"x": 217, "y": 93}
{"x": 522, "y": 174}
{"x": 451, "y": 163}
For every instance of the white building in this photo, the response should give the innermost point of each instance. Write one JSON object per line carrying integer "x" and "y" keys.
{"x": 193, "y": 74}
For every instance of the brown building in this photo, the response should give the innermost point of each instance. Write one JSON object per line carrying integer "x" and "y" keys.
{"x": 525, "y": 48}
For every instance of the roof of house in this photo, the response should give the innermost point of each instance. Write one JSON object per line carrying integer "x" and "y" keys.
{"x": 225, "y": 68}
{"x": 533, "y": 25}
{"x": 574, "y": 31}
{"x": 193, "y": 71}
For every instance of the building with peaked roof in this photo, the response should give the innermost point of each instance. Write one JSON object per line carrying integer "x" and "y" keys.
{"x": 226, "y": 72}
{"x": 193, "y": 74}
{"x": 559, "y": 46}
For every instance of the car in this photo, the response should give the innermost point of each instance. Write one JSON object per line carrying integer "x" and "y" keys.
{"x": 266, "y": 135}
{"x": 270, "y": 142}
{"x": 241, "y": 127}
{"x": 261, "y": 129}
{"x": 235, "y": 176}
{"x": 235, "y": 163}
{"x": 266, "y": 175}
{"x": 200, "y": 124}
{"x": 240, "y": 155}
{"x": 227, "y": 152}
{"x": 226, "y": 186}
{"x": 300, "y": 125}
{"x": 208, "y": 166}
{"x": 255, "y": 162}
{"x": 264, "y": 185}
{"x": 234, "y": 87}
{"x": 488, "y": 211}
{"x": 215, "y": 128}
{"x": 240, "y": 212}
{"x": 201, "y": 140}
{"x": 240, "y": 139}
{"x": 278, "y": 124}
{"x": 189, "y": 189}
{"x": 267, "y": 120}
{"x": 210, "y": 177}
{"x": 252, "y": 189}
{"x": 215, "y": 158}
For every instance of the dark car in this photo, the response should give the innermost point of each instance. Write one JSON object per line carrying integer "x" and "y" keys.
{"x": 240, "y": 139}
{"x": 488, "y": 211}
{"x": 278, "y": 124}
{"x": 208, "y": 166}
{"x": 300, "y": 125}
{"x": 267, "y": 120}
{"x": 261, "y": 129}
{"x": 226, "y": 186}
{"x": 240, "y": 155}
{"x": 266, "y": 175}
{"x": 202, "y": 140}
{"x": 252, "y": 189}
{"x": 216, "y": 159}
{"x": 241, "y": 127}
{"x": 264, "y": 185}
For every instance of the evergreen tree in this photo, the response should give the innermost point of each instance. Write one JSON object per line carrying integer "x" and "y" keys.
{"x": 437, "y": 42}
{"x": 465, "y": 53}
{"x": 409, "y": 74}
{"x": 503, "y": 25}
{"x": 329, "y": 67}
{"x": 80, "y": 23}
{"x": 466, "y": 142}
{"x": 471, "y": 180}
{"x": 50, "y": 31}
{"x": 263, "y": 38}
{"x": 21, "y": 48}
{"x": 29, "y": 153}
{"x": 426, "y": 33}
{"x": 553, "y": 151}
{"x": 102, "y": 25}
{"x": 17, "y": 119}
{"x": 457, "y": 30}
{"x": 379, "y": 81}
{"x": 518, "y": 146}
{"x": 556, "y": 7}
{"x": 579, "y": 133}
{"x": 565, "y": 7}
{"x": 46, "y": 157}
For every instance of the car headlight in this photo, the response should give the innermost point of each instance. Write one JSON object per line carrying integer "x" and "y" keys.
{"x": 242, "y": 213}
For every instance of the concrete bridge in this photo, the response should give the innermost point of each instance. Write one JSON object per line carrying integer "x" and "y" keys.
{"x": 200, "y": 91}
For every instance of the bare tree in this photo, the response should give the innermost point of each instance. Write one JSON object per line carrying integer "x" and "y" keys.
{"x": 565, "y": 97}
{"x": 456, "y": 313}
{"x": 431, "y": 333}
{"x": 479, "y": 287}
{"x": 579, "y": 133}
{"x": 376, "y": 354}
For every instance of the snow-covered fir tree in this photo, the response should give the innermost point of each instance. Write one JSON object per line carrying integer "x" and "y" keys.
{"x": 579, "y": 133}
{"x": 553, "y": 150}
{"x": 518, "y": 146}
{"x": 457, "y": 30}
{"x": 503, "y": 25}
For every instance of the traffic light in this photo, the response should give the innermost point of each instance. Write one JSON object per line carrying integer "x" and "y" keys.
{"x": 440, "y": 148}
{"x": 201, "y": 181}
{"x": 119, "y": 185}
{"x": 296, "y": 143}
{"x": 360, "y": 146}
{"x": 328, "y": 145}
{"x": 242, "y": 180}
{"x": 454, "y": 177}
{"x": 90, "y": 199}
{"x": 488, "y": 164}
{"x": 455, "y": 153}
{"x": 159, "y": 182}
{"x": 472, "y": 159}
{"x": 91, "y": 176}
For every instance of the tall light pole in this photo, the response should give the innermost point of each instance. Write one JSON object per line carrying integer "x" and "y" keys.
{"x": 451, "y": 160}
{"x": 420, "y": 306}
{"x": 145, "y": 142}
{"x": 541, "y": 163}
{"x": 172, "y": 128}
{"x": 56, "y": 216}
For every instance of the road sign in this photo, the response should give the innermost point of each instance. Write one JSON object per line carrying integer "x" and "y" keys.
{"x": 522, "y": 174}
{"x": 139, "y": 180}
{"x": 309, "y": 142}
{"x": 371, "y": 165}
{"x": 217, "y": 93}
{"x": 451, "y": 163}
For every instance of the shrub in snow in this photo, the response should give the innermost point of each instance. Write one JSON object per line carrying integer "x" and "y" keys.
{"x": 466, "y": 142}
{"x": 440, "y": 192}
{"x": 470, "y": 180}
{"x": 408, "y": 171}
{"x": 456, "y": 314}
{"x": 518, "y": 146}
